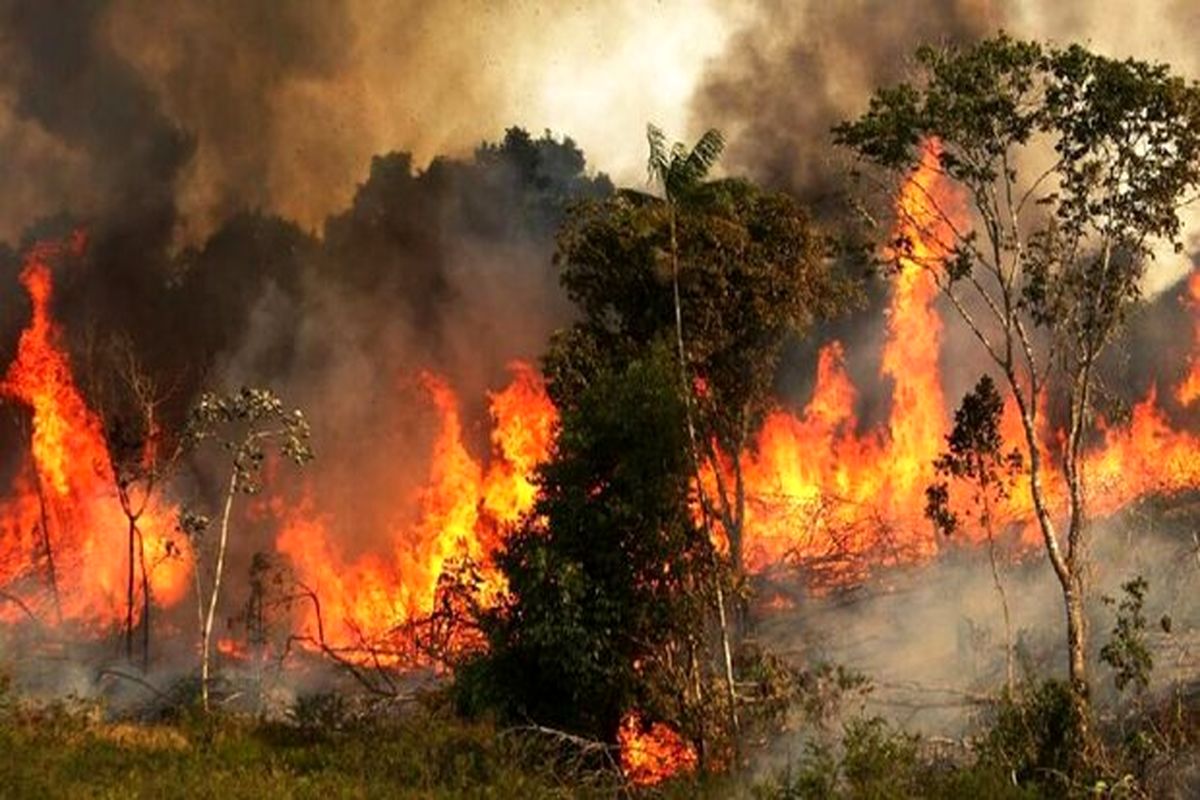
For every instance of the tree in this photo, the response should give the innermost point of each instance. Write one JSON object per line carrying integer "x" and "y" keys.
{"x": 242, "y": 425}
{"x": 1074, "y": 166}
{"x": 722, "y": 270}
{"x": 139, "y": 466}
{"x": 975, "y": 454}
{"x": 608, "y": 578}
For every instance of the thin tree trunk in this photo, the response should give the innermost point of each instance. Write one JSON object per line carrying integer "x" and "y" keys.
{"x": 691, "y": 427}
{"x": 206, "y": 631}
{"x": 129, "y": 593}
{"x": 728, "y": 659}
{"x": 1009, "y": 665}
{"x": 145, "y": 602}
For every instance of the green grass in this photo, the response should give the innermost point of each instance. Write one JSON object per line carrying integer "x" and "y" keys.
{"x": 64, "y": 755}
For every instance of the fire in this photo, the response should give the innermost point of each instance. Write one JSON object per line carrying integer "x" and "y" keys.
{"x": 61, "y": 527}
{"x": 652, "y": 753}
{"x": 465, "y": 509}
{"x": 817, "y": 488}
{"x": 524, "y": 421}
{"x": 1189, "y": 390}
{"x": 825, "y": 494}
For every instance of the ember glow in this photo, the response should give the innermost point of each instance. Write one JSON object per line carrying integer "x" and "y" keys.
{"x": 652, "y": 753}
{"x": 62, "y": 532}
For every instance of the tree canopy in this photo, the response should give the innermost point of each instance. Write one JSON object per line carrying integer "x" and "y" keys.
{"x": 1073, "y": 168}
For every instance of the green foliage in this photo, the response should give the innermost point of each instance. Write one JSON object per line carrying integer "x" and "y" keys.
{"x": 974, "y": 452}
{"x": 1127, "y": 651}
{"x": 1034, "y": 736}
{"x": 605, "y": 575}
{"x": 241, "y": 424}
{"x": 877, "y": 762}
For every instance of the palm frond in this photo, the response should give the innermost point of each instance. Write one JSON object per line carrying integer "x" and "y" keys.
{"x": 676, "y": 168}
{"x": 659, "y": 163}
{"x": 704, "y": 155}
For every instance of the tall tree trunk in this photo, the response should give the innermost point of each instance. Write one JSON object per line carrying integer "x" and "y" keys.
{"x": 1066, "y": 568}
{"x": 206, "y": 631}
{"x": 685, "y": 386}
{"x": 129, "y": 592}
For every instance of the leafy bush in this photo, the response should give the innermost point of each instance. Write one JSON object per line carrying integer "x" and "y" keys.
{"x": 1032, "y": 735}
{"x": 874, "y": 761}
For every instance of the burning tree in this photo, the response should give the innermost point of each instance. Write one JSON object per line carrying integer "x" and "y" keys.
{"x": 242, "y": 424}
{"x": 1074, "y": 167}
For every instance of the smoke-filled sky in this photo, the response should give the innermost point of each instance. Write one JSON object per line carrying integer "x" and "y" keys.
{"x": 280, "y": 106}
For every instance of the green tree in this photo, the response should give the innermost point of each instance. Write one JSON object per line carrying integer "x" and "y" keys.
{"x": 1074, "y": 166}
{"x": 975, "y": 455}
{"x": 243, "y": 425}
{"x": 608, "y": 578}
{"x": 723, "y": 271}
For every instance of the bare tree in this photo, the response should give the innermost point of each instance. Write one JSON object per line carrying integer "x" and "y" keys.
{"x": 244, "y": 425}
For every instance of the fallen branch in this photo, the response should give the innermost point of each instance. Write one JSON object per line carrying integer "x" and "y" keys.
{"x": 161, "y": 695}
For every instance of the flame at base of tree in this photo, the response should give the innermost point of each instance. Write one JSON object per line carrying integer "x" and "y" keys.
{"x": 651, "y": 754}
{"x": 63, "y": 536}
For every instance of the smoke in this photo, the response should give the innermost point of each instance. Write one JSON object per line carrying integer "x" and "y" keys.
{"x": 284, "y": 105}
{"x": 932, "y": 641}
{"x": 796, "y": 69}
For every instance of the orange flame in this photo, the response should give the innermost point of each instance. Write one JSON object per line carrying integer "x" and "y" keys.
{"x": 61, "y": 525}
{"x": 651, "y": 754}
{"x": 841, "y": 501}
{"x": 1189, "y": 390}
{"x": 465, "y": 510}
{"x": 817, "y": 489}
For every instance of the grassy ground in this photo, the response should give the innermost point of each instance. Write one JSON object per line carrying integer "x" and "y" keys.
{"x": 65, "y": 755}
{"x": 62, "y": 752}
